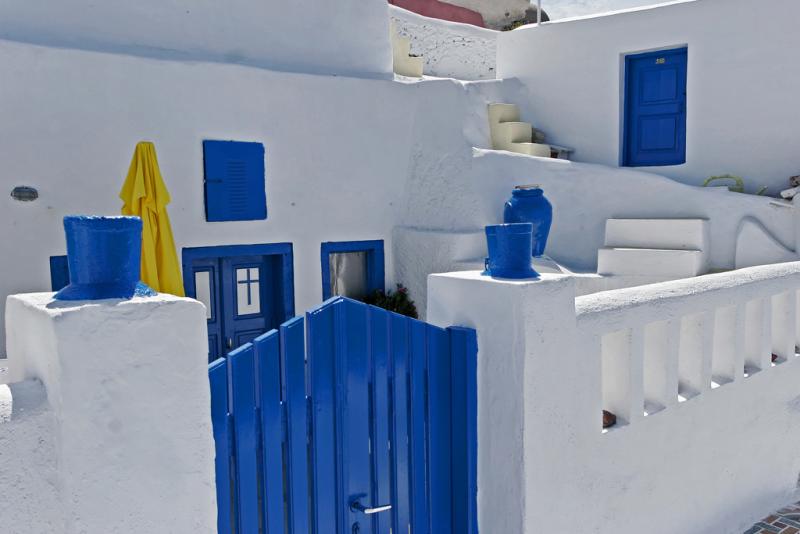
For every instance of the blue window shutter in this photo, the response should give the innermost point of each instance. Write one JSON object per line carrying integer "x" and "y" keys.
{"x": 234, "y": 181}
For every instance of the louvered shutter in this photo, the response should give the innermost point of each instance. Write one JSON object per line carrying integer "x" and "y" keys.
{"x": 234, "y": 181}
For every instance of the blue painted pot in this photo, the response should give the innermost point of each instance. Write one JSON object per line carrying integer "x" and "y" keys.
{"x": 509, "y": 251}
{"x": 103, "y": 254}
{"x": 529, "y": 205}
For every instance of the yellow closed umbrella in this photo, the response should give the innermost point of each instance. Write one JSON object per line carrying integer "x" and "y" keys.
{"x": 145, "y": 195}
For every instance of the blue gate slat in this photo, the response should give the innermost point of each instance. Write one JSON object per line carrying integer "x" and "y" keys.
{"x": 293, "y": 365}
{"x": 267, "y": 349}
{"x": 218, "y": 379}
{"x": 322, "y": 383}
{"x": 241, "y": 366}
{"x": 420, "y": 520}
{"x": 439, "y": 430}
{"x": 352, "y": 352}
{"x": 464, "y": 350}
{"x": 399, "y": 340}
{"x": 379, "y": 364}
{"x": 383, "y": 410}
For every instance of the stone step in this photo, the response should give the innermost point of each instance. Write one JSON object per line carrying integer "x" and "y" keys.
{"x": 652, "y": 262}
{"x": 499, "y": 112}
{"x": 531, "y": 149}
{"x": 673, "y": 234}
{"x": 512, "y": 132}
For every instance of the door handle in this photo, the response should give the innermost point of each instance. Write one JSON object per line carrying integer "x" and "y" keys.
{"x": 230, "y": 343}
{"x": 356, "y": 506}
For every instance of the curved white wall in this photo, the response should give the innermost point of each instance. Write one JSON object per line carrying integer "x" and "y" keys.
{"x": 743, "y": 111}
{"x": 346, "y": 36}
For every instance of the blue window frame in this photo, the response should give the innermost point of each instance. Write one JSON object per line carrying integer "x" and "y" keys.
{"x": 375, "y": 268}
{"x": 234, "y": 181}
{"x": 654, "y": 126}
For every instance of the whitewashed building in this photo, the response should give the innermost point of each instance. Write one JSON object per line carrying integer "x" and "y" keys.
{"x": 342, "y": 177}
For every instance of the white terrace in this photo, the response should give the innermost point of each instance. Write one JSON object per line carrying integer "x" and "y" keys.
{"x": 709, "y": 424}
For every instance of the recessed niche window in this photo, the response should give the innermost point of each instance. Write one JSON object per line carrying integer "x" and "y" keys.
{"x": 234, "y": 181}
{"x": 248, "y": 297}
{"x": 352, "y": 269}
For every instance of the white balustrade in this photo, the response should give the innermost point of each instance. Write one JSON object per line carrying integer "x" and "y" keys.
{"x": 663, "y": 344}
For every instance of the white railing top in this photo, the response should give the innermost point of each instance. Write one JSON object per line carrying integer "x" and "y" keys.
{"x": 610, "y": 311}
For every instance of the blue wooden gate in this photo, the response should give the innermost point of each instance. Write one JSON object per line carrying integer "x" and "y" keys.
{"x": 322, "y": 425}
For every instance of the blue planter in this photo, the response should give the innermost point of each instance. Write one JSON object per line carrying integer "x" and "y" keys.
{"x": 509, "y": 251}
{"x": 104, "y": 255}
{"x": 529, "y": 205}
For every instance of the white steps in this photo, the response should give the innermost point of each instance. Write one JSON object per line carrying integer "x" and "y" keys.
{"x": 650, "y": 261}
{"x": 678, "y": 234}
{"x": 509, "y": 133}
{"x": 673, "y": 248}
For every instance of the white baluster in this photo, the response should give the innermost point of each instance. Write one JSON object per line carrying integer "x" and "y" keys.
{"x": 784, "y": 316}
{"x": 661, "y": 364}
{"x": 758, "y": 340}
{"x": 726, "y": 366}
{"x": 623, "y": 369}
{"x": 696, "y": 350}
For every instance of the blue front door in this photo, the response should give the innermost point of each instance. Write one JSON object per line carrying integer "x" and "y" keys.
{"x": 655, "y": 109}
{"x": 245, "y": 295}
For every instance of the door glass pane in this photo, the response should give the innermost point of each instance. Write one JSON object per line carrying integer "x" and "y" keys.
{"x": 248, "y": 296}
{"x": 348, "y": 274}
{"x": 202, "y": 289}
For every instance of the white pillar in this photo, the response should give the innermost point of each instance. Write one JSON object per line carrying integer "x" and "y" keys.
{"x": 127, "y": 383}
{"x": 537, "y": 392}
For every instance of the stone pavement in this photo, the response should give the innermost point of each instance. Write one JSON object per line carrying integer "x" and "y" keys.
{"x": 784, "y": 521}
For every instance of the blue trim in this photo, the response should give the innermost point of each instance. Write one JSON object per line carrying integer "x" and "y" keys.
{"x": 59, "y": 272}
{"x": 189, "y": 255}
{"x": 376, "y": 270}
{"x": 625, "y": 160}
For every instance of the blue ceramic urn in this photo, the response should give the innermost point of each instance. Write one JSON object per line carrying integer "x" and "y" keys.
{"x": 104, "y": 256}
{"x": 509, "y": 251}
{"x": 529, "y": 205}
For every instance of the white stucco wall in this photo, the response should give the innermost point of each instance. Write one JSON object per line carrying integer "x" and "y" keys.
{"x": 450, "y": 49}
{"x": 343, "y": 37}
{"x": 455, "y": 206}
{"x": 73, "y": 118}
{"x": 29, "y": 486}
{"x": 341, "y": 152}
{"x": 125, "y": 433}
{"x": 742, "y": 92}
{"x": 713, "y": 464}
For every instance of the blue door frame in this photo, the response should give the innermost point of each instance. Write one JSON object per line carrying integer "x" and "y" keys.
{"x": 654, "y": 126}
{"x": 376, "y": 270}
{"x": 268, "y": 271}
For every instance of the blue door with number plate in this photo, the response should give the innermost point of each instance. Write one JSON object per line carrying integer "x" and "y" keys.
{"x": 655, "y": 108}
{"x": 245, "y": 295}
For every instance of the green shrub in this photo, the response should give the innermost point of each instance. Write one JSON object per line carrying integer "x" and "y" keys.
{"x": 395, "y": 301}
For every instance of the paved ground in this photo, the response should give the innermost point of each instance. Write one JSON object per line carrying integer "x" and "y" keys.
{"x": 784, "y": 521}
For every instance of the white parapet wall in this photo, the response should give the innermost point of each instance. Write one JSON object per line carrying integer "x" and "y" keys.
{"x": 118, "y": 437}
{"x": 708, "y": 424}
{"x": 343, "y": 37}
{"x": 450, "y": 49}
